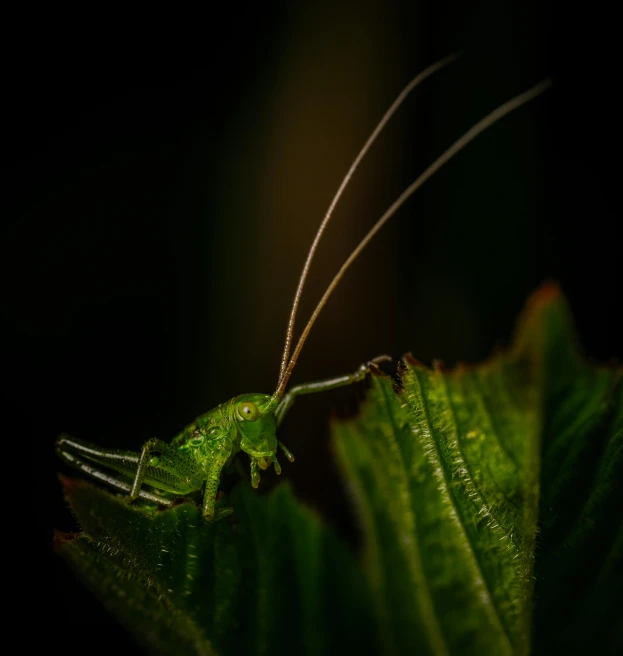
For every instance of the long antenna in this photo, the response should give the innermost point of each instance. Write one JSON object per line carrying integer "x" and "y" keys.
{"x": 310, "y": 256}
{"x": 458, "y": 145}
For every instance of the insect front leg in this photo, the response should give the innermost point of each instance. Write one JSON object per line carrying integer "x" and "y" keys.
{"x": 323, "y": 386}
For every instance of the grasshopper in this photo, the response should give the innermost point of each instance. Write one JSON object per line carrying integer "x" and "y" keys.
{"x": 194, "y": 459}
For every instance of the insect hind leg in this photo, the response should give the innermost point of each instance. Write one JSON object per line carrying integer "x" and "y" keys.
{"x": 98, "y": 474}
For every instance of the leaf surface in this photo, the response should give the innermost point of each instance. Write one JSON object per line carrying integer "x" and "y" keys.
{"x": 276, "y": 581}
{"x": 464, "y": 477}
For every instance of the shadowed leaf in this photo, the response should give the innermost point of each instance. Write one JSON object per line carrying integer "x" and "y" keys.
{"x": 276, "y": 581}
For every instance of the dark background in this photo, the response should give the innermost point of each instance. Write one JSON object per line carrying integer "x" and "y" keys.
{"x": 165, "y": 176}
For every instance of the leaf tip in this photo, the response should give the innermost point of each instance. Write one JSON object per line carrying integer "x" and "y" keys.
{"x": 61, "y": 538}
{"x": 546, "y": 320}
{"x": 69, "y": 484}
{"x": 410, "y": 361}
{"x": 547, "y": 293}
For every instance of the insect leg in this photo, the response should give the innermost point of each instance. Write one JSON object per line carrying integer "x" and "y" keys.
{"x": 95, "y": 472}
{"x": 211, "y": 488}
{"x": 255, "y": 473}
{"x": 144, "y": 461}
{"x": 323, "y": 386}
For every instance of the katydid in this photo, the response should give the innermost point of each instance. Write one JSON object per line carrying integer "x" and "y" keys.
{"x": 194, "y": 459}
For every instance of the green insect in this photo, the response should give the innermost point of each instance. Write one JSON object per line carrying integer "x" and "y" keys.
{"x": 194, "y": 459}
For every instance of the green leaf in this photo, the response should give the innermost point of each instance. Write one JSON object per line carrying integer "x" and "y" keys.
{"x": 464, "y": 477}
{"x": 275, "y": 582}
{"x": 490, "y": 503}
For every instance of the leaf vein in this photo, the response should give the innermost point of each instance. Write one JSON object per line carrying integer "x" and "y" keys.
{"x": 445, "y": 488}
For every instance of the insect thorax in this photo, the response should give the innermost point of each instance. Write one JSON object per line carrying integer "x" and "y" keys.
{"x": 215, "y": 424}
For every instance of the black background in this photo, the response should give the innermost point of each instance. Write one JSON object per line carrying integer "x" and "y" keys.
{"x": 165, "y": 175}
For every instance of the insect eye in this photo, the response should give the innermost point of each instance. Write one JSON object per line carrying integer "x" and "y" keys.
{"x": 248, "y": 411}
